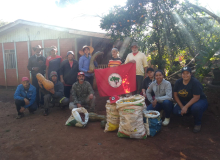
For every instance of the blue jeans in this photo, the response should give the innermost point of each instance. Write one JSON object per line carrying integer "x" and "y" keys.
{"x": 196, "y": 110}
{"x": 167, "y": 106}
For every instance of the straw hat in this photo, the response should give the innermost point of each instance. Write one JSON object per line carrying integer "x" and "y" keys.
{"x": 91, "y": 49}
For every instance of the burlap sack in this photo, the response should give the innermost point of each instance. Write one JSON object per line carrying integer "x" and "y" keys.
{"x": 112, "y": 117}
{"x": 131, "y": 117}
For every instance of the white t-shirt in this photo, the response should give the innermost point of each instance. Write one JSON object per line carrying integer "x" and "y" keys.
{"x": 141, "y": 62}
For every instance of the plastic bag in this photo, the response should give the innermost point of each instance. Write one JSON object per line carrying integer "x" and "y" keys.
{"x": 79, "y": 117}
{"x": 112, "y": 117}
{"x": 153, "y": 122}
{"x": 131, "y": 117}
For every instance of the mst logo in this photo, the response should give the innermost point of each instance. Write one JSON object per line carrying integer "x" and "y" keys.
{"x": 114, "y": 80}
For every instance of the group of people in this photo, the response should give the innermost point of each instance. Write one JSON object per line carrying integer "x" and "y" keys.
{"x": 68, "y": 76}
{"x": 76, "y": 78}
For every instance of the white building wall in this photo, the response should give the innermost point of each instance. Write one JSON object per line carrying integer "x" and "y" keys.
{"x": 22, "y": 32}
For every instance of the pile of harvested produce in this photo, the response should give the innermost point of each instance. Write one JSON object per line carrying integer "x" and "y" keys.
{"x": 78, "y": 118}
{"x": 131, "y": 117}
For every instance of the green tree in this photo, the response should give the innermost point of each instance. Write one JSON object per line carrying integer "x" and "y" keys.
{"x": 164, "y": 26}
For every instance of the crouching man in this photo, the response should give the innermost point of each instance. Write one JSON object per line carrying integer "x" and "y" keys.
{"x": 82, "y": 94}
{"x": 56, "y": 96}
{"x": 25, "y": 96}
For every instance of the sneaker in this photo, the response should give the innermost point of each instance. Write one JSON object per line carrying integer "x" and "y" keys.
{"x": 166, "y": 122}
{"x": 20, "y": 116}
{"x": 197, "y": 128}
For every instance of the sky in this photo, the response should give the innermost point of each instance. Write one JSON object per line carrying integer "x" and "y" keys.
{"x": 83, "y": 15}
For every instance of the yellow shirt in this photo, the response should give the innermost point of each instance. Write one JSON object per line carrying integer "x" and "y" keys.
{"x": 141, "y": 62}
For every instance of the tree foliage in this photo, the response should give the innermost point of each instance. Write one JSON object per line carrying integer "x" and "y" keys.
{"x": 164, "y": 27}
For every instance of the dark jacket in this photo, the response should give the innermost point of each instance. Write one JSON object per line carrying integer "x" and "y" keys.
{"x": 58, "y": 88}
{"x": 33, "y": 62}
{"x": 69, "y": 74}
{"x": 20, "y": 94}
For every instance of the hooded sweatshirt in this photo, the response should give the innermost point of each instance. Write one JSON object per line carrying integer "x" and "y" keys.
{"x": 162, "y": 91}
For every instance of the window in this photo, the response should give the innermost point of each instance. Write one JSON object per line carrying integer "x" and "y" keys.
{"x": 10, "y": 61}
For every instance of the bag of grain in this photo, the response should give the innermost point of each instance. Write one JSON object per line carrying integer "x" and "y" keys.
{"x": 79, "y": 117}
{"x": 131, "y": 117}
{"x": 112, "y": 114}
{"x": 153, "y": 122}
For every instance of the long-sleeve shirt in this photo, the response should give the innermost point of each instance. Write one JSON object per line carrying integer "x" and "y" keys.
{"x": 33, "y": 62}
{"x": 141, "y": 62}
{"x": 69, "y": 72}
{"x": 162, "y": 91}
{"x": 84, "y": 63}
{"x": 21, "y": 94}
{"x": 81, "y": 91}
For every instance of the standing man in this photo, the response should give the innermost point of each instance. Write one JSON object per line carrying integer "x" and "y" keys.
{"x": 141, "y": 65}
{"x": 82, "y": 94}
{"x": 56, "y": 96}
{"x": 68, "y": 72}
{"x": 84, "y": 63}
{"x": 24, "y": 96}
{"x": 53, "y": 62}
{"x": 36, "y": 64}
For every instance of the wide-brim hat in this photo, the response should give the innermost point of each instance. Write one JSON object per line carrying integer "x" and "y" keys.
{"x": 37, "y": 47}
{"x": 91, "y": 49}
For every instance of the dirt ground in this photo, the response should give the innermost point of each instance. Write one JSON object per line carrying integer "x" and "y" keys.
{"x": 36, "y": 137}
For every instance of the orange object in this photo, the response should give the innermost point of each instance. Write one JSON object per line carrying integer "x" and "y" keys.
{"x": 48, "y": 85}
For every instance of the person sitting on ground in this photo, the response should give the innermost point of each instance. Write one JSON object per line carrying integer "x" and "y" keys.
{"x": 56, "y": 96}
{"x": 84, "y": 62}
{"x": 146, "y": 83}
{"x": 82, "y": 94}
{"x": 25, "y": 96}
{"x": 188, "y": 93}
{"x": 163, "y": 96}
{"x": 68, "y": 73}
{"x": 115, "y": 60}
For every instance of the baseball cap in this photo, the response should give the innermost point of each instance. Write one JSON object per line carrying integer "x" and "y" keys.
{"x": 53, "y": 48}
{"x": 24, "y": 79}
{"x": 186, "y": 69}
{"x": 150, "y": 69}
{"x": 81, "y": 73}
{"x": 134, "y": 44}
{"x": 114, "y": 98}
{"x": 70, "y": 52}
{"x": 53, "y": 73}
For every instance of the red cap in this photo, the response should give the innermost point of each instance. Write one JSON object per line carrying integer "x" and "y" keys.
{"x": 81, "y": 73}
{"x": 114, "y": 98}
{"x": 24, "y": 79}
